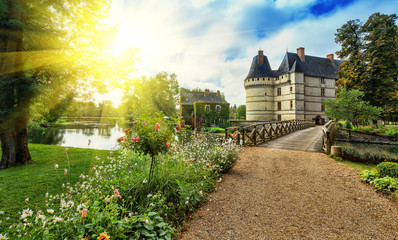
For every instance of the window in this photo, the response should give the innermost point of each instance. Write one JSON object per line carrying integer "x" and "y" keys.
{"x": 265, "y": 93}
{"x": 263, "y": 79}
{"x": 291, "y": 104}
{"x": 322, "y": 80}
{"x": 291, "y": 89}
{"x": 279, "y": 105}
{"x": 322, "y": 92}
{"x": 218, "y": 108}
{"x": 221, "y": 121}
{"x": 213, "y": 122}
{"x": 207, "y": 108}
{"x": 279, "y": 118}
{"x": 258, "y": 79}
{"x": 282, "y": 77}
{"x": 279, "y": 91}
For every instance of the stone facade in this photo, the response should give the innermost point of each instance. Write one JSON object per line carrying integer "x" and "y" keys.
{"x": 295, "y": 91}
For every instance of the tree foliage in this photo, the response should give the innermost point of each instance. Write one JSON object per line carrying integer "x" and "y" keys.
{"x": 370, "y": 54}
{"x": 241, "y": 112}
{"x": 151, "y": 95}
{"x": 349, "y": 105}
{"x": 50, "y": 49}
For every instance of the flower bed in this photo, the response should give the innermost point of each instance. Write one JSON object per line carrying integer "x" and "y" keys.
{"x": 117, "y": 201}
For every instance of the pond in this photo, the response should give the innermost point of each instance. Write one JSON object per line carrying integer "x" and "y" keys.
{"x": 369, "y": 147}
{"x": 101, "y": 135}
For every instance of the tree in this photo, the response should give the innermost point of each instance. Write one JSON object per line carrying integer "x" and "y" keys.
{"x": 241, "y": 112}
{"x": 151, "y": 95}
{"x": 53, "y": 48}
{"x": 349, "y": 105}
{"x": 370, "y": 54}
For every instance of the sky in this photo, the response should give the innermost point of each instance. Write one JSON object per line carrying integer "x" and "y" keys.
{"x": 211, "y": 43}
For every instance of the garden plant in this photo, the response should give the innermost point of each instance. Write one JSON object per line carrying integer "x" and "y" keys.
{"x": 142, "y": 191}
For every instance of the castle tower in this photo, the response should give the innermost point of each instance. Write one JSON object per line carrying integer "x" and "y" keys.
{"x": 259, "y": 90}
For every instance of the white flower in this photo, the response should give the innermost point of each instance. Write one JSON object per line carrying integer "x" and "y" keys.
{"x": 200, "y": 192}
{"x": 70, "y": 203}
{"x": 3, "y": 237}
{"x": 186, "y": 202}
{"x": 57, "y": 219}
{"x": 50, "y": 211}
{"x": 1, "y": 212}
{"x": 56, "y": 166}
{"x": 145, "y": 181}
{"x": 40, "y": 217}
{"x": 80, "y": 207}
{"x": 146, "y": 221}
{"x": 63, "y": 205}
{"x": 26, "y": 213}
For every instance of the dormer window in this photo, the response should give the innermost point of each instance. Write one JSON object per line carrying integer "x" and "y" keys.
{"x": 322, "y": 80}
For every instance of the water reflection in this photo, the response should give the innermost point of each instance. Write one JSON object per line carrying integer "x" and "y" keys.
{"x": 102, "y": 135}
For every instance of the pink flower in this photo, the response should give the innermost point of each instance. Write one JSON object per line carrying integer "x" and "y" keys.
{"x": 125, "y": 130}
{"x": 125, "y": 139}
{"x": 131, "y": 131}
{"x": 84, "y": 213}
{"x": 119, "y": 139}
{"x": 137, "y": 139}
{"x": 133, "y": 139}
{"x": 167, "y": 144}
{"x": 117, "y": 194}
{"x": 157, "y": 126}
{"x": 144, "y": 123}
{"x": 178, "y": 127}
{"x": 131, "y": 122}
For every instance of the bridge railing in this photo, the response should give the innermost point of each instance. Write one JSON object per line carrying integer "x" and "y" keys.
{"x": 262, "y": 132}
{"x": 329, "y": 132}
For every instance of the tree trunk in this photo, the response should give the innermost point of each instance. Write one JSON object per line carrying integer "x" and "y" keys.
{"x": 14, "y": 146}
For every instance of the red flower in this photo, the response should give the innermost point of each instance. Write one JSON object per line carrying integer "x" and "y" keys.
{"x": 131, "y": 122}
{"x": 157, "y": 126}
{"x": 131, "y": 131}
{"x": 133, "y": 139}
{"x": 144, "y": 123}
{"x": 137, "y": 139}
{"x": 125, "y": 130}
{"x": 178, "y": 127}
{"x": 167, "y": 144}
{"x": 119, "y": 139}
{"x": 84, "y": 213}
{"x": 125, "y": 139}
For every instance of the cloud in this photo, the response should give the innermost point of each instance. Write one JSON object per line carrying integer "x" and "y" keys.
{"x": 210, "y": 44}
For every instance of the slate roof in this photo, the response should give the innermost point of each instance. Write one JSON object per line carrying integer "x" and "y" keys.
{"x": 260, "y": 70}
{"x": 312, "y": 66}
{"x": 189, "y": 98}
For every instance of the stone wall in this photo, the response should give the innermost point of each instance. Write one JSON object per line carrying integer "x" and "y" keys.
{"x": 352, "y": 136}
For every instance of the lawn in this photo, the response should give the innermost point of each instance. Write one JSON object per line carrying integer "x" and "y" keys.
{"x": 359, "y": 167}
{"x": 34, "y": 180}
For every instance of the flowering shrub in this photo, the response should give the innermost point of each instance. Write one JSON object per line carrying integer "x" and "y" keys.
{"x": 111, "y": 201}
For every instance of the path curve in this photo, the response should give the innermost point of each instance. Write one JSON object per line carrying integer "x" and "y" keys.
{"x": 282, "y": 194}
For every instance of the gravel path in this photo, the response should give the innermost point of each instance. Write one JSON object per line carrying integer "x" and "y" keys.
{"x": 283, "y": 194}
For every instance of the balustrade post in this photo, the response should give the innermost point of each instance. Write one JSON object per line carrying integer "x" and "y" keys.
{"x": 243, "y": 137}
{"x": 255, "y": 135}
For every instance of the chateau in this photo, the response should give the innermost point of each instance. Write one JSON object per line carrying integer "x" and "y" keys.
{"x": 295, "y": 91}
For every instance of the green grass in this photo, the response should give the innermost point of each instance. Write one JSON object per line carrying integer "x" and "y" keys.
{"x": 34, "y": 180}
{"x": 359, "y": 167}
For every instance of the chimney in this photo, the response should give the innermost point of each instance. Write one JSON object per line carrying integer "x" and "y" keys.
{"x": 260, "y": 57}
{"x": 207, "y": 91}
{"x": 218, "y": 94}
{"x": 301, "y": 54}
{"x": 331, "y": 57}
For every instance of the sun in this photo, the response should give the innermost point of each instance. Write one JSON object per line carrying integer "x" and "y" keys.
{"x": 129, "y": 37}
